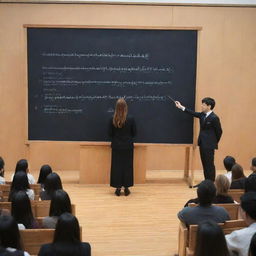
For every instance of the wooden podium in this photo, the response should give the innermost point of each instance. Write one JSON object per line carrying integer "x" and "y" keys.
{"x": 95, "y": 163}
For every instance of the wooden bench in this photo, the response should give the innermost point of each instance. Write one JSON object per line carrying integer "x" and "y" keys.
{"x": 183, "y": 239}
{"x": 39, "y": 208}
{"x": 8, "y": 206}
{"x": 236, "y": 194}
{"x": 5, "y": 188}
{"x": 33, "y": 239}
{"x": 43, "y": 208}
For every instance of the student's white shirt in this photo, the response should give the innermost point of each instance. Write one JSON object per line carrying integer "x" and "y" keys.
{"x": 9, "y": 249}
{"x": 21, "y": 226}
{"x": 31, "y": 194}
{"x": 31, "y": 179}
{"x": 229, "y": 176}
{"x": 238, "y": 241}
{"x": 2, "y": 180}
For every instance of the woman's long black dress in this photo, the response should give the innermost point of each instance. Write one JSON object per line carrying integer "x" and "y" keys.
{"x": 122, "y": 153}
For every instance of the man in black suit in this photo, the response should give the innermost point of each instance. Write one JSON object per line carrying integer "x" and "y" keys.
{"x": 209, "y": 135}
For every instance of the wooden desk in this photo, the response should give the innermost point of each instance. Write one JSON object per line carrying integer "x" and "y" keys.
{"x": 95, "y": 163}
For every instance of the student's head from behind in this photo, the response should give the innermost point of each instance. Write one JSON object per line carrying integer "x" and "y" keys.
{"x": 252, "y": 248}
{"x": 21, "y": 209}
{"x": 206, "y": 192}
{"x": 22, "y": 165}
{"x": 120, "y": 114}
{"x": 9, "y": 232}
{"x": 52, "y": 183}
{"x": 222, "y": 185}
{"x": 19, "y": 183}
{"x": 210, "y": 240}
{"x": 237, "y": 172}
{"x": 250, "y": 183}
{"x": 253, "y": 165}
{"x": 208, "y": 104}
{"x": 1, "y": 166}
{"x": 228, "y": 162}
{"x": 248, "y": 206}
{"x": 67, "y": 222}
{"x": 44, "y": 171}
{"x": 60, "y": 203}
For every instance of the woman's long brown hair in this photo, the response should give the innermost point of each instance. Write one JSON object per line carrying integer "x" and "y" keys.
{"x": 120, "y": 113}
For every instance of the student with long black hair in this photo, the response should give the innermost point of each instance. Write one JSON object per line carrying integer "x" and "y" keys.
{"x": 210, "y": 240}
{"x": 20, "y": 183}
{"x": 52, "y": 183}
{"x": 66, "y": 240}
{"x": 44, "y": 172}
{"x": 22, "y": 165}
{"x": 60, "y": 204}
{"x": 10, "y": 237}
{"x": 22, "y": 212}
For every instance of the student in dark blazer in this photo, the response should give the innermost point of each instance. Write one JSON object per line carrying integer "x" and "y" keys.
{"x": 122, "y": 130}
{"x": 209, "y": 135}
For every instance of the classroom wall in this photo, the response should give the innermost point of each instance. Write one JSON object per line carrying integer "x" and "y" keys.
{"x": 226, "y": 72}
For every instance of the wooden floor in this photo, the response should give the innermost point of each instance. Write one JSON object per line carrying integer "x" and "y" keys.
{"x": 143, "y": 224}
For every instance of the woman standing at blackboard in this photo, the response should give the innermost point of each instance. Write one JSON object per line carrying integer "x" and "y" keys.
{"x": 122, "y": 130}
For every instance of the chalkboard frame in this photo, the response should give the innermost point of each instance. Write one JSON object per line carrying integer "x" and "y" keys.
{"x": 99, "y": 143}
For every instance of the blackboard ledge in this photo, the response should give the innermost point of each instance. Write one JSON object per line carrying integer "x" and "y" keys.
{"x": 102, "y": 143}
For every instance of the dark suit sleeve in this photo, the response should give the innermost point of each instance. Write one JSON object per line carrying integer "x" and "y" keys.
{"x": 134, "y": 128}
{"x": 217, "y": 128}
{"x": 193, "y": 113}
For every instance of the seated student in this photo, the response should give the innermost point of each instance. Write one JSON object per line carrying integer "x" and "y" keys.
{"x": 20, "y": 183}
{"x": 10, "y": 237}
{"x": 44, "y": 171}
{"x": 252, "y": 248}
{"x": 250, "y": 183}
{"x": 238, "y": 177}
{"x": 206, "y": 193}
{"x": 52, "y": 183}
{"x": 60, "y": 203}
{"x": 22, "y": 165}
{"x": 22, "y": 212}
{"x": 210, "y": 240}
{"x": 222, "y": 186}
{"x": 66, "y": 240}
{"x": 2, "y": 179}
{"x": 253, "y": 165}
{"x": 228, "y": 162}
{"x": 238, "y": 241}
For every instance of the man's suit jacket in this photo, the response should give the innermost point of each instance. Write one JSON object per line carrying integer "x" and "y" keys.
{"x": 210, "y": 129}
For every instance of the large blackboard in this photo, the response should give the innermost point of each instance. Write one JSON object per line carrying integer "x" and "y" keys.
{"x": 76, "y": 75}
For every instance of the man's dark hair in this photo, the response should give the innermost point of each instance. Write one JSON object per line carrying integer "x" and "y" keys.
{"x": 248, "y": 204}
{"x": 206, "y": 192}
{"x": 228, "y": 162}
{"x": 254, "y": 161}
{"x": 209, "y": 102}
{"x": 250, "y": 183}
